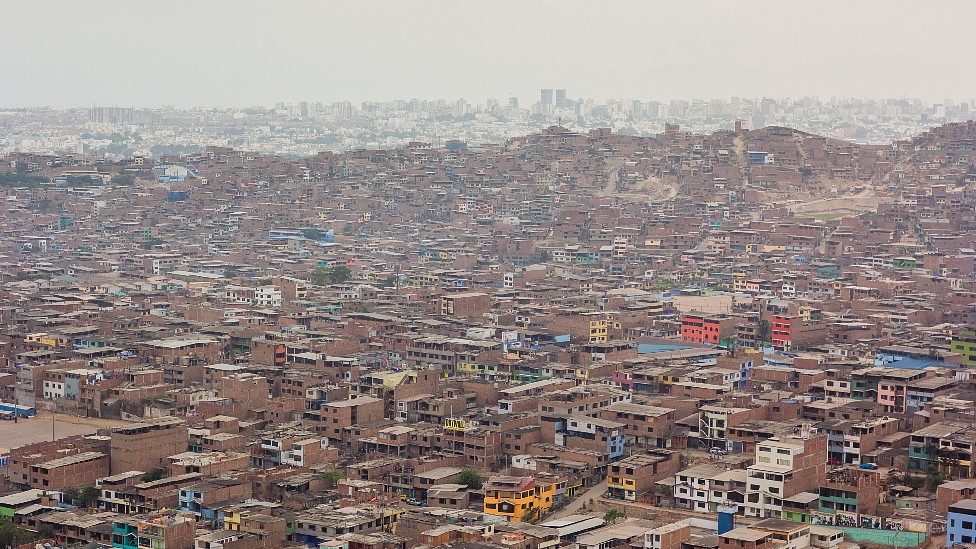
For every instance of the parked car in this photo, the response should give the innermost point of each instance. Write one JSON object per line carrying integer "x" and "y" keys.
{"x": 833, "y": 462}
{"x": 872, "y": 466}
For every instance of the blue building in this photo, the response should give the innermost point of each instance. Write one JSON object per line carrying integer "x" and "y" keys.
{"x": 961, "y": 523}
{"x": 912, "y": 358}
{"x": 16, "y": 409}
{"x": 595, "y": 429}
{"x": 285, "y": 234}
{"x": 758, "y": 157}
{"x": 205, "y": 499}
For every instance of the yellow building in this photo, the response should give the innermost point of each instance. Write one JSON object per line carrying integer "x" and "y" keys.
{"x": 517, "y": 498}
{"x": 655, "y": 307}
{"x": 599, "y": 330}
{"x": 739, "y": 281}
{"x": 49, "y": 340}
{"x": 668, "y": 379}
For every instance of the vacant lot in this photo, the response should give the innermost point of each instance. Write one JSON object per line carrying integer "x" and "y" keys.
{"x": 38, "y": 429}
{"x": 839, "y": 206}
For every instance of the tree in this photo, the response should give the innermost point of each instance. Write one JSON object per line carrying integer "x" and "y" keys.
{"x": 318, "y": 276}
{"x": 332, "y": 477}
{"x": 155, "y": 474}
{"x": 123, "y": 179}
{"x": 660, "y": 284}
{"x": 89, "y": 495}
{"x": 12, "y": 535}
{"x": 914, "y": 482}
{"x": 731, "y": 343}
{"x": 22, "y": 180}
{"x": 665, "y": 491}
{"x": 470, "y": 478}
{"x": 762, "y": 331}
{"x": 71, "y": 495}
{"x": 336, "y": 274}
{"x": 532, "y": 515}
{"x": 45, "y": 531}
{"x": 349, "y": 229}
{"x": 613, "y": 515}
{"x": 933, "y": 478}
{"x": 312, "y": 233}
{"x": 79, "y": 181}
{"x": 265, "y": 282}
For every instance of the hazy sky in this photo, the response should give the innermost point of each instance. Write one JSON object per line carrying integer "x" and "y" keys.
{"x": 243, "y": 52}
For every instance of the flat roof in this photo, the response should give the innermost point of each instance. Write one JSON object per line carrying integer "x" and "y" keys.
{"x": 967, "y": 504}
{"x": 779, "y": 525}
{"x": 70, "y": 460}
{"x": 21, "y": 498}
{"x": 439, "y": 472}
{"x": 746, "y": 534}
{"x": 179, "y": 343}
{"x": 644, "y": 409}
{"x": 638, "y": 460}
{"x": 351, "y": 402}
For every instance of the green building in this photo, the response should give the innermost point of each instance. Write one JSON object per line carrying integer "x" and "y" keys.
{"x": 964, "y": 343}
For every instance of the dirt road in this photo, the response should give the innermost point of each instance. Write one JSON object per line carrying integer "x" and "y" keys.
{"x": 574, "y": 506}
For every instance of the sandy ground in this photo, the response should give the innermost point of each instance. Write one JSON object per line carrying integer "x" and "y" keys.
{"x": 651, "y": 188}
{"x": 38, "y": 429}
{"x": 855, "y": 204}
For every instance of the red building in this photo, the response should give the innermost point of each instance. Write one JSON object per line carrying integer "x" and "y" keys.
{"x": 790, "y": 331}
{"x": 780, "y": 331}
{"x": 706, "y": 328}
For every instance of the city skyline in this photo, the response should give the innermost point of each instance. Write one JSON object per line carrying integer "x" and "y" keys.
{"x": 214, "y": 56}
{"x": 305, "y": 128}
{"x": 530, "y": 100}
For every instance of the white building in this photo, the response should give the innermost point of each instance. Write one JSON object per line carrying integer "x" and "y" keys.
{"x": 693, "y": 487}
{"x": 775, "y": 467}
{"x": 267, "y": 296}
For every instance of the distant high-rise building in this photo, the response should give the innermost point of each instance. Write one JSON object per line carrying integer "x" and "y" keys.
{"x": 560, "y": 99}
{"x": 513, "y": 102}
{"x": 110, "y": 115}
{"x": 546, "y": 97}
